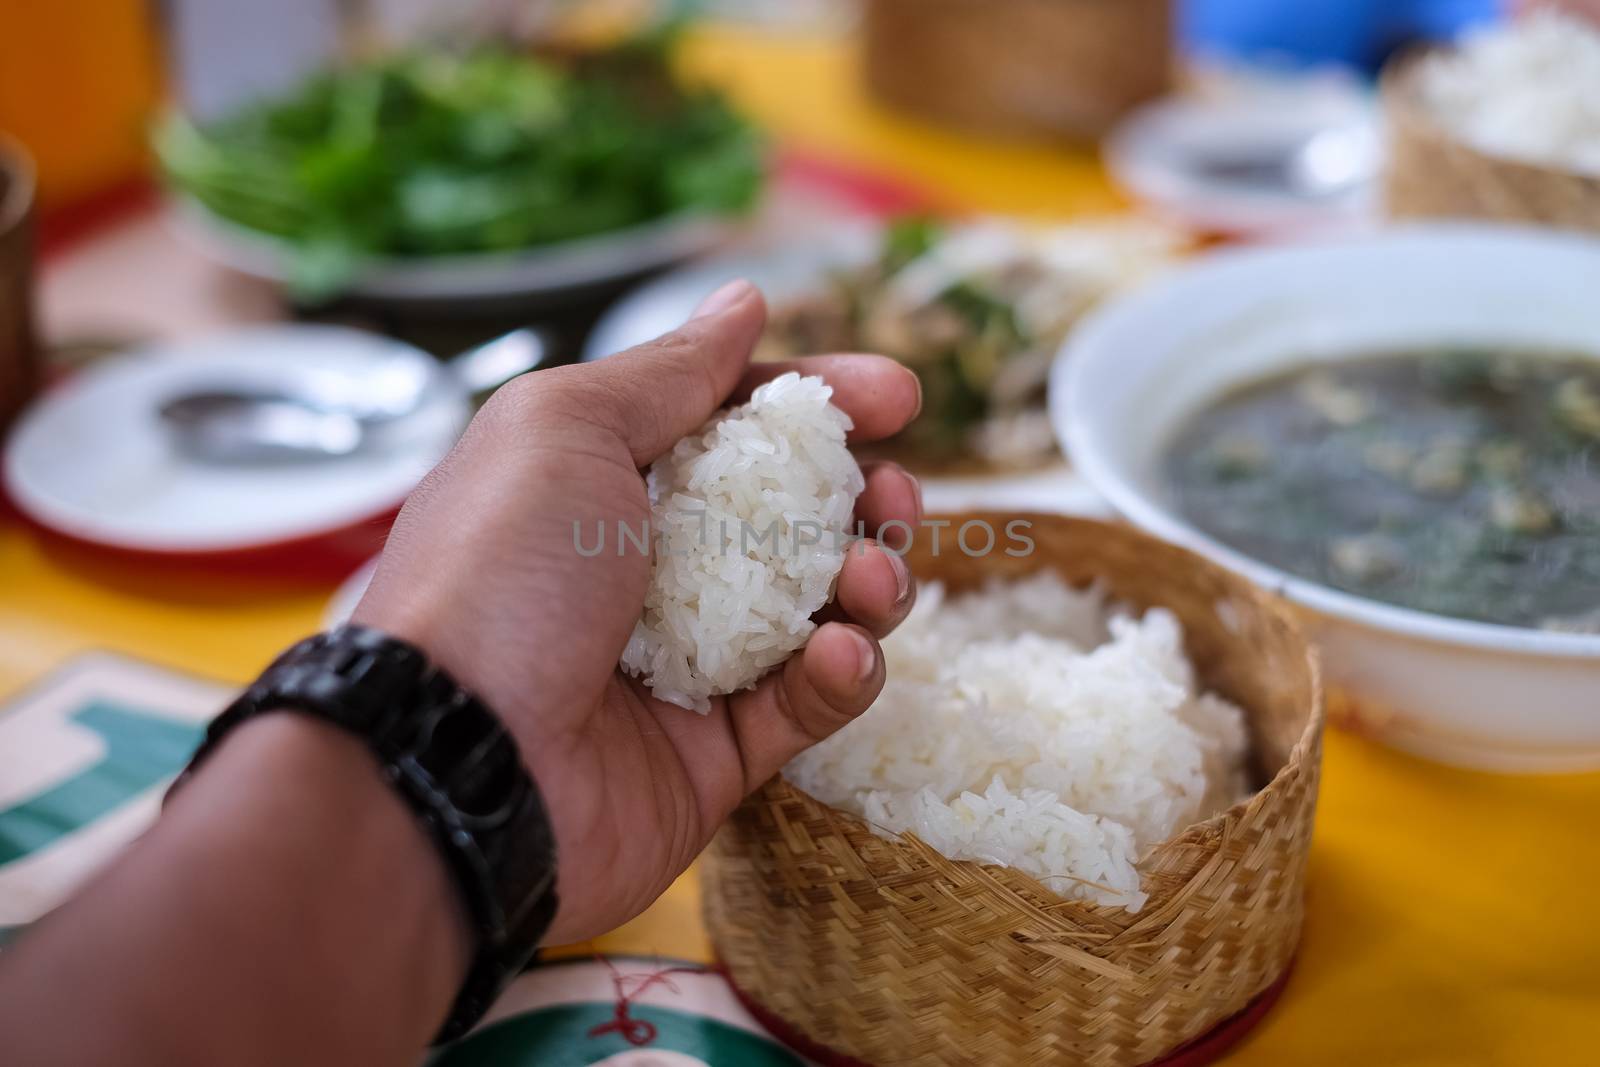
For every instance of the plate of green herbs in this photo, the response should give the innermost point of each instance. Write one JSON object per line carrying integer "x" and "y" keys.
{"x": 442, "y": 174}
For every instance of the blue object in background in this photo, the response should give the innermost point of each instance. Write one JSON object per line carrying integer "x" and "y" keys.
{"x": 1356, "y": 33}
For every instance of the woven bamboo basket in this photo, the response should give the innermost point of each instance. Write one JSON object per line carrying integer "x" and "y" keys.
{"x": 1019, "y": 67}
{"x": 1434, "y": 174}
{"x": 885, "y": 952}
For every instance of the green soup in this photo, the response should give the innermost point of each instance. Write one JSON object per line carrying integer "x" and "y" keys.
{"x": 1461, "y": 481}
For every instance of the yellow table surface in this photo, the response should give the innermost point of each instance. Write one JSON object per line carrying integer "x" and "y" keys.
{"x": 1452, "y": 915}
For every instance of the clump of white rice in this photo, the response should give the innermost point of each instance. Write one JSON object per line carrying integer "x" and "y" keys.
{"x": 751, "y": 519}
{"x": 1031, "y": 726}
{"x": 1528, "y": 89}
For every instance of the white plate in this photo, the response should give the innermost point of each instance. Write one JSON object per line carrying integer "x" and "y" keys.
{"x": 1464, "y": 692}
{"x": 1152, "y": 155}
{"x": 475, "y": 276}
{"x": 783, "y": 271}
{"x": 91, "y": 460}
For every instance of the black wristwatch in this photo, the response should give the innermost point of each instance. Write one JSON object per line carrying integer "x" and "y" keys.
{"x": 457, "y": 767}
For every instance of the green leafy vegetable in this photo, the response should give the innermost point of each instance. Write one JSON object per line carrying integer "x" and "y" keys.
{"x": 908, "y": 239}
{"x": 426, "y": 154}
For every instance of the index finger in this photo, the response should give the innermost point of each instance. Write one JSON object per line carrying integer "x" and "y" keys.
{"x": 654, "y": 393}
{"x": 880, "y": 395}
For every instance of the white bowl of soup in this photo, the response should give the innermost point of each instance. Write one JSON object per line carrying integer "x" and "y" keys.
{"x": 1400, "y": 433}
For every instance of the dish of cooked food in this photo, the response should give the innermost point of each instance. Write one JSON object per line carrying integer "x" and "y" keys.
{"x": 1459, "y": 481}
{"x": 1033, "y": 725}
{"x": 978, "y": 310}
{"x": 428, "y": 154}
{"x": 1525, "y": 89}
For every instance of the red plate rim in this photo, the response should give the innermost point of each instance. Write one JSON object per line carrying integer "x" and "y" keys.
{"x": 332, "y": 553}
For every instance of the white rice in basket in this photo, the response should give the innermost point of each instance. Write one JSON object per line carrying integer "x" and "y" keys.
{"x": 751, "y": 517}
{"x": 1027, "y": 725}
{"x": 1528, "y": 89}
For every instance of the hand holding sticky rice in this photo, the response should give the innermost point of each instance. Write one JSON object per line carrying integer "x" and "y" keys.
{"x": 483, "y": 571}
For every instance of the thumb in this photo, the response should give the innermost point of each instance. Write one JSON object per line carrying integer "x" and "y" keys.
{"x": 654, "y": 394}
{"x": 837, "y": 677}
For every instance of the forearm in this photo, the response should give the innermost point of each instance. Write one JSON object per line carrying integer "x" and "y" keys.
{"x": 286, "y": 909}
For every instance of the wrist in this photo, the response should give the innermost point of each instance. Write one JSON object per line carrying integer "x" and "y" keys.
{"x": 451, "y": 762}
{"x": 297, "y": 770}
{"x": 541, "y": 754}
{"x": 377, "y": 913}
{"x": 445, "y": 647}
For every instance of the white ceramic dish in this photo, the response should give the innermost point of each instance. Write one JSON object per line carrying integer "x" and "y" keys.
{"x": 91, "y": 460}
{"x": 782, "y": 271}
{"x": 1187, "y": 157}
{"x": 1467, "y": 693}
{"x": 548, "y": 269}
{"x": 791, "y": 270}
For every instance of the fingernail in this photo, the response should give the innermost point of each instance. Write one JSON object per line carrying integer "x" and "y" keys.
{"x": 918, "y": 379}
{"x": 723, "y": 299}
{"x": 866, "y": 657}
{"x": 902, "y": 579}
{"x": 916, "y": 493}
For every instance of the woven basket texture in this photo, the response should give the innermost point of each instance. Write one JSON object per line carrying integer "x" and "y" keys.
{"x": 885, "y": 951}
{"x": 1434, "y": 174}
{"x": 1052, "y": 68}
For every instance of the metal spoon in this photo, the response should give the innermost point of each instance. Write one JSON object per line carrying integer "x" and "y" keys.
{"x": 250, "y": 424}
{"x": 1325, "y": 163}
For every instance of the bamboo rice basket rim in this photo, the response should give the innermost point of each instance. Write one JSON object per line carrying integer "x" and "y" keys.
{"x": 1400, "y": 93}
{"x": 1309, "y": 740}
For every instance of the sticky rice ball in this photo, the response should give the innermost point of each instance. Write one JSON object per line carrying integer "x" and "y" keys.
{"x": 751, "y": 519}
